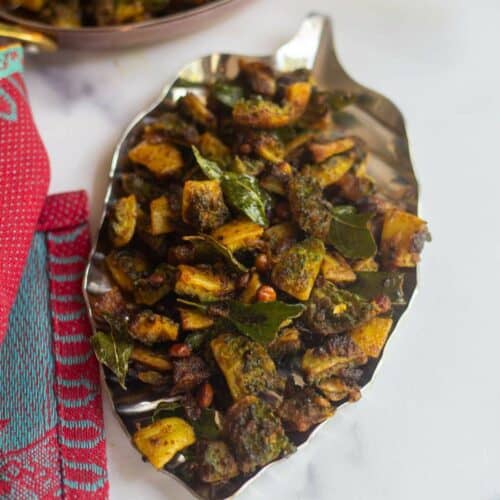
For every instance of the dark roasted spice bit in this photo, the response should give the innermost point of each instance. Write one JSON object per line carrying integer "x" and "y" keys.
{"x": 216, "y": 463}
{"x": 110, "y": 303}
{"x": 332, "y": 310}
{"x": 331, "y": 358}
{"x": 255, "y": 433}
{"x": 188, "y": 373}
{"x": 304, "y": 409}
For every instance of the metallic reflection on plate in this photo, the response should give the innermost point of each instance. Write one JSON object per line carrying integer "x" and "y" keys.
{"x": 373, "y": 118}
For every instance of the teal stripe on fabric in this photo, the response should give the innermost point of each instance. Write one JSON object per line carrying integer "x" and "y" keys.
{"x": 96, "y": 469}
{"x": 66, "y": 298}
{"x": 74, "y": 360}
{"x": 81, "y": 425}
{"x": 64, "y": 278}
{"x": 78, "y": 403}
{"x": 73, "y": 259}
{"x": 71, "y": 316}
{"x": 91, "y": 487}
{"x": 27, "y": 373}
{"x": 71, "y": 338}
{"x": 11, "y": 60}
{"x": 67, "y": 237}
{"x": 85, "y": 467}
{"x": 8, "y": 101}
{"x": 77, "y": 383}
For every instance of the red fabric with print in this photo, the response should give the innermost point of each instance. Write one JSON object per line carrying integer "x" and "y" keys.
{"x": 24, "y": 181}
{"x": 67, "y": 457}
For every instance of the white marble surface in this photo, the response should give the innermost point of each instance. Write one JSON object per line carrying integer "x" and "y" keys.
{"x": 428, "y": 427}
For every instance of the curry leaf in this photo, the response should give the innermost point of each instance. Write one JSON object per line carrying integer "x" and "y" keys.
{"x": 350, "y": 235}
{"x": 113, "y": 351}
{"x": 206, "y": 426}
{"x": 371, "y": 284}
{"x": 261, "y": 321}
{"x": 241, "y": 191}
{"x": 167, "y": 409}
{"x": 206, "y": 246}
{"x": 244, "y": 193}
{"x": 227, "y": 94}
{"x": 209, "y": 167}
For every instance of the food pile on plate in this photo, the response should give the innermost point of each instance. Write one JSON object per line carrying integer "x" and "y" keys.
{"x": 255, "y": 266}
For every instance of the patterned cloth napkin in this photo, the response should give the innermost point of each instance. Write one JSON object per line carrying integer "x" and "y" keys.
{"x": 51, "y": 425}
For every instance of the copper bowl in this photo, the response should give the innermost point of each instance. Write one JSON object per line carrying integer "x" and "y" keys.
{"x": 47, "y": 37}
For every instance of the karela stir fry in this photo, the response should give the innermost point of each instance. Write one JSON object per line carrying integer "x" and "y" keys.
{"x": 255, "y": 269}
{"x": 76, "y": 13}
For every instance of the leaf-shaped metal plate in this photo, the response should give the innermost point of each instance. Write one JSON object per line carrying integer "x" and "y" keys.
{"x": 373, "y": 118}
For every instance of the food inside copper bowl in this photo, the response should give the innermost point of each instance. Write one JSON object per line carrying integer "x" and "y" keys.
{"x": 77, "y": 13}
{"x": 255, "y": 268}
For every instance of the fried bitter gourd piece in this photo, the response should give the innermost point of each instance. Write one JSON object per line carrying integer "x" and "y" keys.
{"x": 335, "y": 355}
{"x": 195, "y": 108}
{"x": 122, "y": 220}
{"x": 330, "y": 171}
{"x": 149, "y": 328}
{"x": 321, "y": 151}
{"x": 298, "y": 268}
{"x": 336, "y": 269}
{"x": 403, "y": 237}
{"x": 171, "y": 127}
{"x": 202, "y": 283}
{"x": 338, "y": 388}
{"x": 331, "y": 310}
{"x": 239, "y": 233}
{"x": 160, "y": 441}
{"x": 280, "y": 237}
{"x": 259, "y": 76}
{"x": 215, "y": 462}
{"x": 260, "y": 113}
{"x": 192, "y": 319}
{"x": 151, "y": 359}
{"x": 150, "y": 290}
{"x": 371, "y": 337}
{"x": 161, "y": 159}
{"x": 255, "y": 434}
{"x": 214, "y": 149}
{"x": 126, "y": 266}
{"x": 161, "y": 216}
{"x": 309, "y": 209}
{"x": 249, "y": 294}
{"x": 203, "y": 205}
{"x": 246, "y": 365}
{"x": 304, "y": 409}
{"x": 287, "y": 342}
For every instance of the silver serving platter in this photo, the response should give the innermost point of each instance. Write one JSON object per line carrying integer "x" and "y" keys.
{"x": 373, "y": 118}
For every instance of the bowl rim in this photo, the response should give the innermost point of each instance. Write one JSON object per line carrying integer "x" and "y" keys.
{"x": 89, "y": 30}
